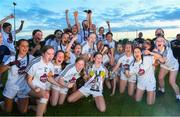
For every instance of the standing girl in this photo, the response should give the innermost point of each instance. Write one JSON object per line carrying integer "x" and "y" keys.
{"x": 16, "y": 84}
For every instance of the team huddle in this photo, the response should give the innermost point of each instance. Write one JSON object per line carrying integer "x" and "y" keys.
{"x": 79, "y": 62}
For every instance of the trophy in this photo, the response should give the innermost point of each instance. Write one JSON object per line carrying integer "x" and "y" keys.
{"x": 112, "y": 75}
{"x": 95, "y": 86}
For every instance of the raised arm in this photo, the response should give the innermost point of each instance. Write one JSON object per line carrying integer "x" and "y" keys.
{"x": 67, "y": 19}
{"x": 76, "y": 20}
{"x": 6, "y": 18}
{"x": 20, "y": 27}
{"x": 109, "y": 27}
{"x": 68, "y": 48}
{"x": 157, "y": 56}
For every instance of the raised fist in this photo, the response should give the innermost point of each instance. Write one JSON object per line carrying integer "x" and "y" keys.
{"x": 75, "y": 13}
{"x": 66, "y": 11}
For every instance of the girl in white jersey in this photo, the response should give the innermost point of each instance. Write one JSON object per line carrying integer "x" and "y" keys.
{"x": 144, "y": 69}
{"x": 40, "y": 72}
{"x": 16, "y": 84}
{"x": 68, "y": 78}
{"x": 168, "y": 64}
{"x": 76, "y": 52}
{"x": 125, "y": 61}
{"x": 89, "y": 46}
{"x": 59, "y": 65}
{"x": 94, "y": 84}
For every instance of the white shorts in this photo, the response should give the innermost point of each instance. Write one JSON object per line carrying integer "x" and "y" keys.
{"x": 11, "y": 92}
{"x": 148, "y": 86}
{"x": 55, "y": 87}
{"x": 43, "y": 86}
{"x": 48, "y": 86}
{"x": 86, "y": 92}
{"x": 131, "y": 79}
{"x": 174, "y": 68}
{"x": 61, "y": 90}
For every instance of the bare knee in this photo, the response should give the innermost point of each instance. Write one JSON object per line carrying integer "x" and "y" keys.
{"x": 70, "y": 99}
{"x": 150, "y": 102}
{"x": 172, "y": 83}
{"x": 23, "y": 111}
{"x": 102, "y": 109}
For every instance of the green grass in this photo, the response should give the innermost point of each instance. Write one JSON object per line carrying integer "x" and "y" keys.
{"x": 118, "y": 105}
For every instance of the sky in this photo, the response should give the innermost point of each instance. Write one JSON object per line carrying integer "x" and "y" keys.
{"x": 127, "y": 17}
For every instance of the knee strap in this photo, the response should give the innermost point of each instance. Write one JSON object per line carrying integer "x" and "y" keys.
{"x": 43, "y": 100}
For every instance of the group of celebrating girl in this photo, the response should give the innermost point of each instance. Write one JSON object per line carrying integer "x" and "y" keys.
{"x": 76, "y": 63}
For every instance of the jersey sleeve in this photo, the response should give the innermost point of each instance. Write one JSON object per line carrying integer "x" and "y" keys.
{"x": 10, "y": 59}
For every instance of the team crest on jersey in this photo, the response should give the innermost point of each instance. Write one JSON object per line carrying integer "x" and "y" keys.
{"x": 127, "y": 61}
{"x": 141, "y": 71}
{"x": 45, "y": 69}
{"x": 43, "y": 78}
{"x": 22, "y": 70}
{"x": 73, "y": 79}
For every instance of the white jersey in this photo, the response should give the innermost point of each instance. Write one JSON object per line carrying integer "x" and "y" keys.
{"x": 110, "y": 44}
{"x": 100, "y": 37}
{"x": 39, "y": 71}
{"x": 5, "y": 41}
{"x": 171, "y": 62}
{"x": 99, "y": 75}
{"x": 16, "y": 74}
{"x": 57, "y": 70}
{"x": 72, "y": 58}
{"x": 62, "y": 47}
{"x": 54, "y": 43}
{"x": 82, "y": 36}
{"x": 70, "y": 74}
{"x": 105, "y": 59}
{"x": 147, "y": 66}
{"x": 125, "y": 62}
{"x": 86, "y": 49}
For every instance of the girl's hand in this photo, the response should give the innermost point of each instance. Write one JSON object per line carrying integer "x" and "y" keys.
{"x": 37, "y": 89}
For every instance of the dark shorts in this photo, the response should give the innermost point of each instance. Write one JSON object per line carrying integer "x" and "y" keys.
{"x": 3, "y": 51}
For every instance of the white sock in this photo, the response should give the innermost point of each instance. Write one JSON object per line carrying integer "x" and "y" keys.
{"x": 178, "y": 96}
{"x": 161, "y": 89}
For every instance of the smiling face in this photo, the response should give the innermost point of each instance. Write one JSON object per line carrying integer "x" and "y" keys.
{"x": 80, "y": 65}
{"x": 59, "y": 58}
{"x": 8, "y": 29}
{"x": 137, "y": 54}
{"x": 109, "y": 37}
{"x": 128, "y": 48}
{"x": 23, "y": 47}
{"x": 77, "y": 49}
{"x": 98, "y": 59}
{"x": 38, "y": 36}
{"x": 65, "y": 38}
{"x": 119, "y": 48}
{"x": 147, "y": 44}
{"x": 92, "y": 38}
{"x": 58, "y": 34}
{"x": 48, "y": 55}
{"x": 160, "y": 42}
{"x": 74, "y": 29}
{"x": 101, "y": 30}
